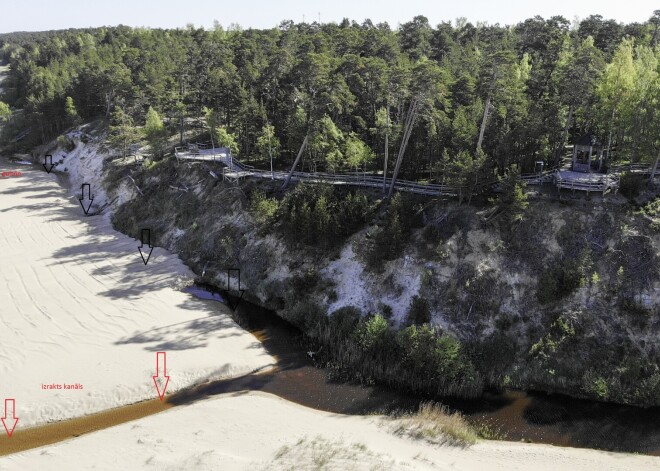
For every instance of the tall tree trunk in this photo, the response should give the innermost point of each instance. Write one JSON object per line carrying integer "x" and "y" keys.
{"x": 387, "y": 153}
{"x": 654, "y": 170}
{"x": 560, "y": 148}
{"x": 482, "y": 130}
{"x": 410, "y": 120}
{"x": 609, "y": 137}
{"x": 295, "y": 163}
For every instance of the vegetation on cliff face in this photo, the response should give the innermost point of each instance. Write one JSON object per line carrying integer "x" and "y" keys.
{"x": 564, "y": 300}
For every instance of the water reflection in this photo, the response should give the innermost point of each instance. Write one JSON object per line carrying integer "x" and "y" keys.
{"x": 536, "y": 417}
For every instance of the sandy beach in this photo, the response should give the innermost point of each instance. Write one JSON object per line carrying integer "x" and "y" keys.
{"x": 83, "y": 317}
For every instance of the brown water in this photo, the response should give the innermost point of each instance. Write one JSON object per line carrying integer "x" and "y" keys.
{"x": 518, "y": 415}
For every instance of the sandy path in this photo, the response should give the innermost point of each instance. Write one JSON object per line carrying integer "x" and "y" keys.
{"x": 256, "y": 431}
{"x": 80, "y": 307}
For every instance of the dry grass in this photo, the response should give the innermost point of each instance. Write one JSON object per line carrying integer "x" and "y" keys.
{"x": 322, "y": 454}
{"x": 435, "y": 424}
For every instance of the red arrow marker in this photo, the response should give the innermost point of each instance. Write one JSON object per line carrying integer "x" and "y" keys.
{"x": 10, "y": 410}
{"x": 159, "y": 356}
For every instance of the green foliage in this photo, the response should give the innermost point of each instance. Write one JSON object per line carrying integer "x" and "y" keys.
{"x": 123, "y": 132}
{"x": 437, "y": 357}
{"x": 652, "y": 211}
{"x": 595, "y": 385}
{"x": 154, "y": 132}
{"x": 631, "y": 185}
{"x": 357, "y": 153}
{"x": 268, "y": 145}
{"x": 66, "y": 143}
{"x": 325, "y": 145}
{"x": 5, "y": 112}
{"x": 70, "y": 111}
{"x": 351, "y": 84}
{"x": 389, "y": 241}
{"x": 512, "y": 198}
{"x": 321, "y": 215}
{"x": 419, "y": 311}
{"x": 557, "y": 283}
{"x": 374, "y": 334}
{"x": 418, "y": 358}
{"x": 226, "y": 139}
{"x": 264, "y": 209}
{"x": 212, "y": 119}
{"x": 561, "y": 331}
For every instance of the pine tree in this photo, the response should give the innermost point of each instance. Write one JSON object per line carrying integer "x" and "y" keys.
{"x": 227, "y": 139}
{"x": 154, "y": 132}
{"x": 268, "y": 145}
{"x": 72, "y": 117}
{"x": 123, "y": 132}
{"x": 512, "y": 198}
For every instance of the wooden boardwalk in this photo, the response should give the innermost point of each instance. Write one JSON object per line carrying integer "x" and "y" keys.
{"x": 562, "y": 178}
{"x": 235, "y": 170}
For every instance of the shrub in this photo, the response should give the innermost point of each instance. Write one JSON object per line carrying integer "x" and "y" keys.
{"x": 557, "y": 283}
{"x": 374, "y": 334}
{"x": 344, "y": 320}
{"x": 419, "y": 311}
{"x": 595, "y": 385}
{"x": 631, "y": 185}
{"x": 436, "y": 358}
{"x": 320, "y": 215}
{"x": 308, "y": 316}
{"x": 386, "y": 309}
{"x": 512, "y": 198}
{"x": 263, "y": 209}
{"x": 66, "y": 143}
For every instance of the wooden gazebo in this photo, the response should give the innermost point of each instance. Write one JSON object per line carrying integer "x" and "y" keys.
{"x": 588, "y": 155}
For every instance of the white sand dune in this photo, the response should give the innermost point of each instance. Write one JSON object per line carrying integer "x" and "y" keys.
{"x": 80, "y": 307}
{"x": 257, "y": 431}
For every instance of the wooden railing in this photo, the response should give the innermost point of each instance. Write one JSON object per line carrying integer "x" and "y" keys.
{"x": 607, "y": 182}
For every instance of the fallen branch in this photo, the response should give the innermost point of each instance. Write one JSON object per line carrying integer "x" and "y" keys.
{"x": 136, "y": 187}
{"x": 177, "y": 188}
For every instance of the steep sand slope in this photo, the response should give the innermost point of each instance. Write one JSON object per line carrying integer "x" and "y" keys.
{"x": 257, "y": 431}
{"x": 80, "y": 307}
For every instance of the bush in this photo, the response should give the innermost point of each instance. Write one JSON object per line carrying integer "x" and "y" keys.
{"x": 419, "y": 311}
{"x": 66, "y": 143}
{"x": 307, "y": 316}
{"x": 557, "y": 283}
{"x": 631, "y": 185}
{"x": 436, "y": 358}
{"x": 512, "y": 198}
{"x": 344, "y": 320}
{"x": 263, "y": 209}
{"x": 374, "y": 334}
{"x": 319, "y": 215}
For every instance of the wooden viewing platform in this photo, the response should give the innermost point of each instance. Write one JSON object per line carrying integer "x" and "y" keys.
{"x": 589, "y": 182}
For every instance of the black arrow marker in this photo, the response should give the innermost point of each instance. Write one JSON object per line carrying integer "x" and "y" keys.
{"x": 90, "y": 198}
{"x": 145, "y": 238}
{"x": 233, "y": 304}
{"x": 48, "y": 163}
